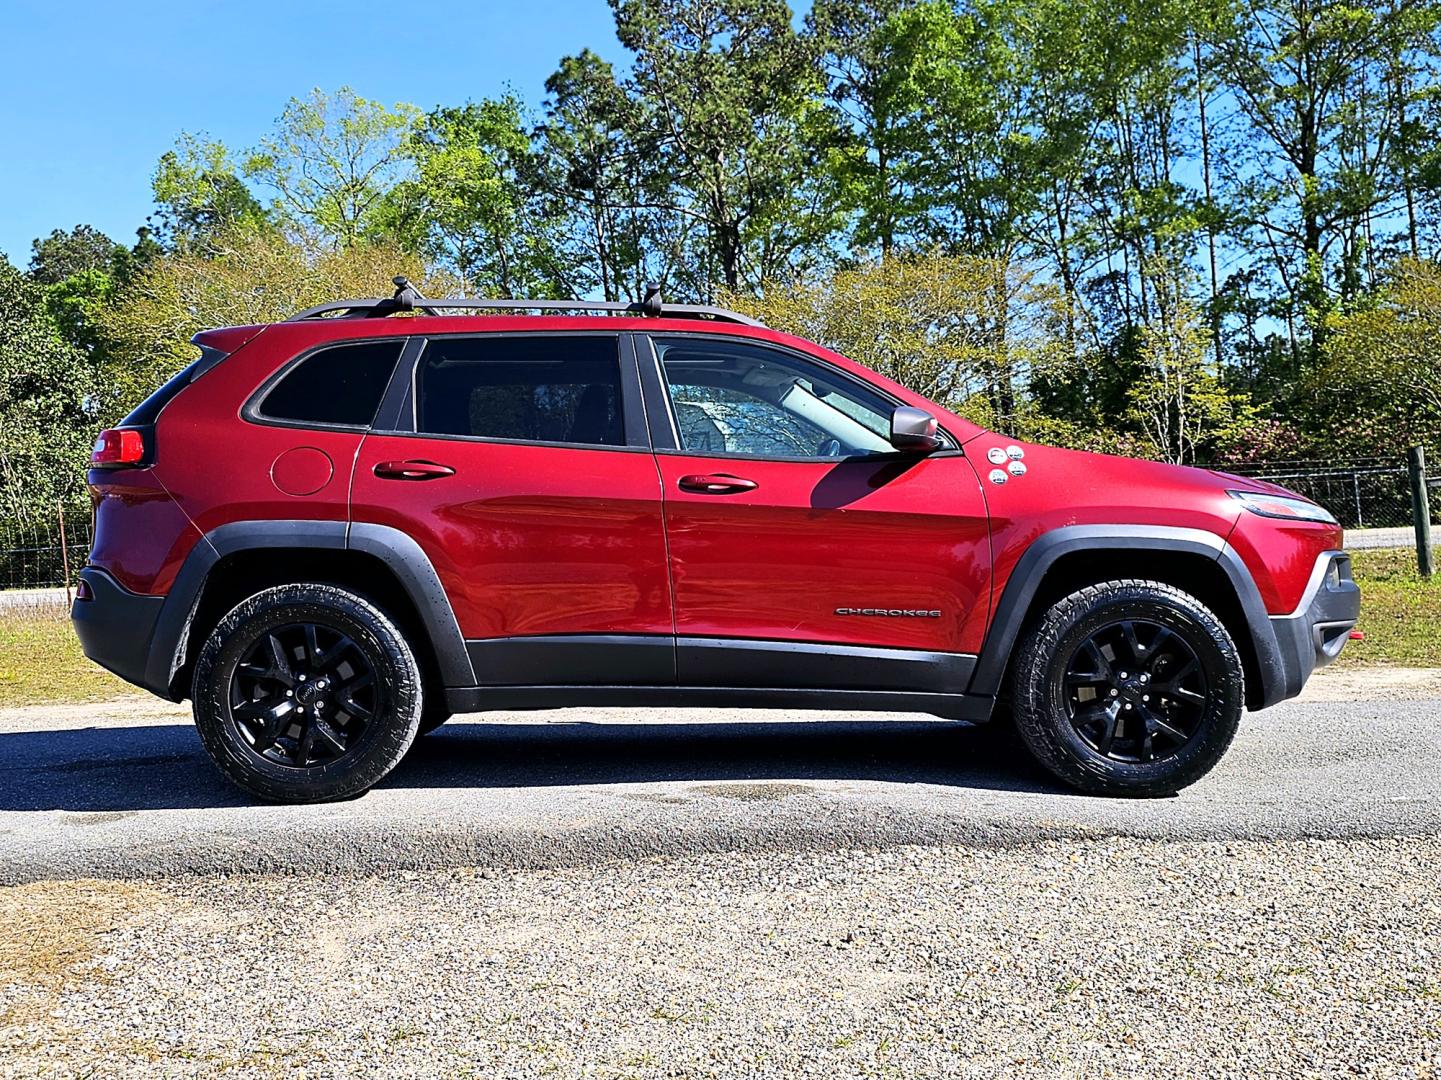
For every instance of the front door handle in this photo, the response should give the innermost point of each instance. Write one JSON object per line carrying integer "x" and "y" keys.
{"x": 716, "y": 484}
{"x": 412, "y": 470}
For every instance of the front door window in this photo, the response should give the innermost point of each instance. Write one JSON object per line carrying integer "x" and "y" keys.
{"x": 737, "y": 399}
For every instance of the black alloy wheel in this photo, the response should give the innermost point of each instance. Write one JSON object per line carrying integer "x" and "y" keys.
{"x": 1135, "y": 691}
{"x": 303, "y": 695}
{"x": 1127, "y": 688}
{"x": 307, "y": 693}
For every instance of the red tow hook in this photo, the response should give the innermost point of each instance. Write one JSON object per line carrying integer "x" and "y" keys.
{"x": 1357, "y": 635}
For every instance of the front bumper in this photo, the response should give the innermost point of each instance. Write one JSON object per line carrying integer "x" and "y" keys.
{"x": 115, "y": 627}
{"x": 1314, "y": 634}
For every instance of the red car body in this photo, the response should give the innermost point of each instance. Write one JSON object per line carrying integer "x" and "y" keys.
{"x": 581, "y": 547}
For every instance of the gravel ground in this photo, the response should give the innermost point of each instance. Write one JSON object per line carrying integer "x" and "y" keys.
{"x": 1112, "y": 957}
{"x": 843, "y": 897}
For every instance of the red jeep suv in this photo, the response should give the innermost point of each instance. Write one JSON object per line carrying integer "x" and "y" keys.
{"x": 334, "y": 532}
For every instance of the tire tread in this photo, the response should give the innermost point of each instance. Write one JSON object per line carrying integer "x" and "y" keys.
{"x": 240, "y": 766}
{"x": 1037, "y": 725}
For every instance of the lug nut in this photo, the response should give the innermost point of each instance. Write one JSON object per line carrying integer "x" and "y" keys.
{"x": 1145, "y": 697}
{"x": 1123, "y": 675}
{"x": 1128, "y": 705}
{"x": 290, "y": 693}
{"x": 1114, "y": 693}
{"x": 1145, "y": 677}
{"x": 302, "y": 678}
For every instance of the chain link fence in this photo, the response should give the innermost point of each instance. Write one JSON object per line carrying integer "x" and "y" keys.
{"x": 1363, "y": 493}
{"x": 44, "y": 554}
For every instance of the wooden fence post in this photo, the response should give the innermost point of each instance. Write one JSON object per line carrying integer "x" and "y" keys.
{"x": 64, "y": 549}
{"x": 1420, "y": 509}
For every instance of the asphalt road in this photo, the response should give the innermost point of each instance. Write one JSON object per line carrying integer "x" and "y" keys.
{"x": 123, "y": 789}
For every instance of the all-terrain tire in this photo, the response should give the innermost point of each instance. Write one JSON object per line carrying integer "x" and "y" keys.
{"x": 1053, "y": 656}
{"x": 394, "y": 693}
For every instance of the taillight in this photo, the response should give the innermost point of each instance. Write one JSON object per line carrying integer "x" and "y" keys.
{"x": 118, "y": 448}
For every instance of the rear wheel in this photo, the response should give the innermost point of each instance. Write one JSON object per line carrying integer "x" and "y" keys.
{"x": 1128, "y": 688}
{"x": 306, "y": 693}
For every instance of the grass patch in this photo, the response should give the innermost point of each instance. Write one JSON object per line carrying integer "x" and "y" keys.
{"x": 1400, "y": 611}
{"x": 40, "y": 660}
{"x": 50, "y": 934}
{"x": 49, "y": 928}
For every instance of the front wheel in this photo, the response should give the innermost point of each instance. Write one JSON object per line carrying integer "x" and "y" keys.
{"x": 1128, "y": 688}
{"x": 306, "y": 693}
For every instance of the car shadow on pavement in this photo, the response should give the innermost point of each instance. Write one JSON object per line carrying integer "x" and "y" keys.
{"x": 155, "y": 767}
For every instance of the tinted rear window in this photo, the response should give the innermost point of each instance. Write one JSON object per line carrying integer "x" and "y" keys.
{"x": 527, "y": 389}
{"x": 340, "y": 385}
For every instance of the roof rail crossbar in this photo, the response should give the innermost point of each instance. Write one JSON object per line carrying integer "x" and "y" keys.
{"x": 407, "y": 298}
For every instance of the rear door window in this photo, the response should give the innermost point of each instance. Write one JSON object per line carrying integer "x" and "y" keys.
{"x": 339, "y": 386}
{"x": 541, "y": 388}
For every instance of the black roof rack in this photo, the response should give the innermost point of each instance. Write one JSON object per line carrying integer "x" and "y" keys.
{"x": 408, "y": 298}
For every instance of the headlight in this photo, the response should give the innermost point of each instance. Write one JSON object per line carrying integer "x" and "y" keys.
{"x": 1278, "y": 506}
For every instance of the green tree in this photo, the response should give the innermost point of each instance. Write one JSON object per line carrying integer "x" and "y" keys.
{"x": 1379, "y": 380}
{"x": 1317, "y": 161}
{"x": 985, "y": 168}
{"x": 80, "y": 271}
{"x": 1178, "y": 399}
{"x": 45, "y": 428}
{"x": 1124, "y": 103}
{"x": 474, "y": 195}
{"x": 597, "y": 146}
{"x": 736, "y": 96}
{"x": 62, "y": 254}
{"x": 199, "y": 194}
{"x": 879, "y": 59}
{"x": 241, "y": 278}
{"x": 331, "y": 161}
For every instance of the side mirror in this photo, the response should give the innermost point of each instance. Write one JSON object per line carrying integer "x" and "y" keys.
{"x": 914, "y": 430}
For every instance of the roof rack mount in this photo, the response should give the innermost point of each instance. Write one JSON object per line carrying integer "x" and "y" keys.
{"x": 408, "y": 298}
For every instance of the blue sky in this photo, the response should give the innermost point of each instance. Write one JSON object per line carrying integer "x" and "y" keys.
{"x": 95, "y": 92}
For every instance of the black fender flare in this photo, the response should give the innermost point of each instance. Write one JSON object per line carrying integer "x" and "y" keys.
{"x": 169, "y": 644}
{"x": 1015, "y": 602}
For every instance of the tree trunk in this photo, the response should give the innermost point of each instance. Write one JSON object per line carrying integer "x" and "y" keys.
{"x": 1210, "y": 206}
{"x": 886, "y": 226}
{"x": 728, "y": 247}
{"x": 1408, "y": 184}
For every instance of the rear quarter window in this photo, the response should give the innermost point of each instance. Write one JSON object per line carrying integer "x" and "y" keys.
{"x": 339, "y": 386}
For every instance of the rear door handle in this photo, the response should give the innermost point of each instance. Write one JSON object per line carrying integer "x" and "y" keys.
{"x": 412, "y": 470}
{"x": 716, "y": 484}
